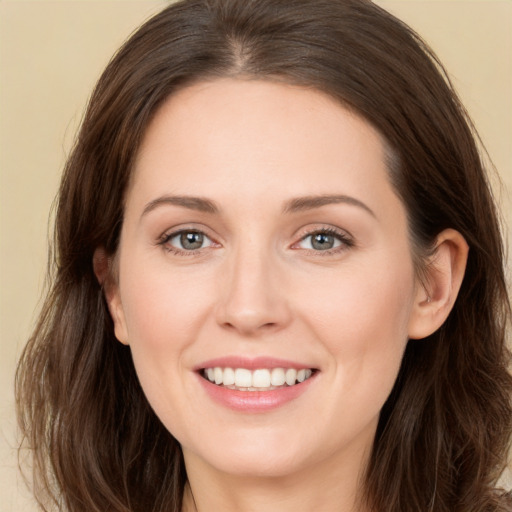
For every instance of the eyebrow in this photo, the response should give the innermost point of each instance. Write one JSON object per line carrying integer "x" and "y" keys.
{"x": 191, "y": 203}
{"x": 298, "y": 204}
{"x": 311, "y": 202}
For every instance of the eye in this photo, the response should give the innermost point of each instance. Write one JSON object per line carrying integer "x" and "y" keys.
{"x": 324, "y": 240}
{"x": 186, "y": 241}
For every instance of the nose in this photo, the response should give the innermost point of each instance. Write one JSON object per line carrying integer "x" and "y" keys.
{"x": 253, "y": 297}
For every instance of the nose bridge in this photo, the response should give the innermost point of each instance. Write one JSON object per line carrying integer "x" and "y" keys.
{"x": 253, "y": 298}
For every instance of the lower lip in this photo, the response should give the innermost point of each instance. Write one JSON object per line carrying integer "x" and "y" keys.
{"x": 255, "y": 401}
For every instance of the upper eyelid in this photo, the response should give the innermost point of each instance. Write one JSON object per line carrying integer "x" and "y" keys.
{"x": 342, "y": 233}
{"x": 190, "y": 228}
{"x": 168, "y": 235}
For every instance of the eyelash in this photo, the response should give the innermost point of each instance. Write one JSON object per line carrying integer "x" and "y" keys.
{"x": 167, "y": 237}
{"x": 346, "y": 241}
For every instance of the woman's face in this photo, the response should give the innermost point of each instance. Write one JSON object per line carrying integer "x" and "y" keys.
{"x": 262, "y": 245}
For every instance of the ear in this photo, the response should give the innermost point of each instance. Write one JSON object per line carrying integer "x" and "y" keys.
{"x": 103, "y": 269}
{"x": 436, "y": 296}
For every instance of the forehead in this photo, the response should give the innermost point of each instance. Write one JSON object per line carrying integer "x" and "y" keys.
{"x": 258, "y": 138}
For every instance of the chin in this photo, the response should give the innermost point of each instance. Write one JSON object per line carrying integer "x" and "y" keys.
{"x": 269, "y": 466}
{"x": 259, "y": 455}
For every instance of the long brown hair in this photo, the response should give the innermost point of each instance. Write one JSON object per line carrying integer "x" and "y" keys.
{"x": 444, "y": 432}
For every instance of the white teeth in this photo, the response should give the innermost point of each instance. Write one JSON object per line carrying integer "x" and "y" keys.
{"x": 261, "y": 379}
{"x": 243, "y": 378}
{"x": 277, "y": 377}
{"x": 229, "y": 377}
{"x": 218, "y": 375}
{"x": 257, "y": 380}
{"x": 291, "y": 376}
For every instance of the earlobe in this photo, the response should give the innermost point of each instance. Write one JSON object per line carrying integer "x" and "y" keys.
{"x": 436, "y": 296}
{"x": 102, "y": 265}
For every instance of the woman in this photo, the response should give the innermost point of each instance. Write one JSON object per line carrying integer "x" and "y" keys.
{"x": 279, "y": 277}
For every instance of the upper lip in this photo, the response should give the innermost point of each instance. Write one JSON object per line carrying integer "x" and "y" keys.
{"x": 252, "y": 363}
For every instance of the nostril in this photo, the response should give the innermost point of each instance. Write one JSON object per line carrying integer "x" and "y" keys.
{"x": 248, "y": 328}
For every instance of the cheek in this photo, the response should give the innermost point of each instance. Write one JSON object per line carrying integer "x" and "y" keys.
{"x": 164, "y": 313}
{"x": 361, "y": 318}
{"x": 358, "y": 303}
{"x": 163, "y": 308}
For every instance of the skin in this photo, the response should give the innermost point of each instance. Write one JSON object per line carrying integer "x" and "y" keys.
{"x": 257, "y": 287}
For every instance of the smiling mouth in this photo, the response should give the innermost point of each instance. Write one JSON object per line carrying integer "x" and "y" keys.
{"x": 243, "y": 379}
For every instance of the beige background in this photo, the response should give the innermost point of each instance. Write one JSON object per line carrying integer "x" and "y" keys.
{"x": 52, "y": 52}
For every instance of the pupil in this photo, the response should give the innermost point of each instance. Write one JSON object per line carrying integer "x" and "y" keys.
{"x": 322, "y": 241}
{"x": 191, "y": 240}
